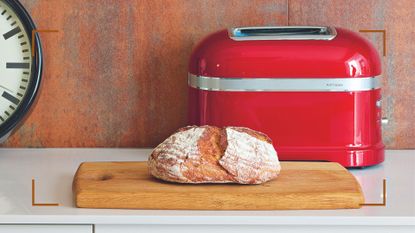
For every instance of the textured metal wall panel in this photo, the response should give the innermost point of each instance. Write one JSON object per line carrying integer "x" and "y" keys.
{"x": 116, "y": 73}
{"x": 396, "y": 18}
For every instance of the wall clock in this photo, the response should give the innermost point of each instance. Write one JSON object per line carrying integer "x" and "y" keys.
{"x": 20, "y": 72}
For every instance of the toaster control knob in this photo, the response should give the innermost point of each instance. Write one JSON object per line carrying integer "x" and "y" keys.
{"x": 379, "y": 103}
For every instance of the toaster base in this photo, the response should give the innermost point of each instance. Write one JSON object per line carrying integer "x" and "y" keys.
{"x": 347, "y": 158}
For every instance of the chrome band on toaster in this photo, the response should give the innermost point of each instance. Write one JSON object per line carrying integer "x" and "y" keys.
{"x": 283, "y": 84}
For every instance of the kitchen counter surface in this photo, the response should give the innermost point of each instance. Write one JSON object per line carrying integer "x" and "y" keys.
{"x": 53, "y": 170}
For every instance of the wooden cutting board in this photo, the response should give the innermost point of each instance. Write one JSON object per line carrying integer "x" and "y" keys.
{"x": 301, "y": 185}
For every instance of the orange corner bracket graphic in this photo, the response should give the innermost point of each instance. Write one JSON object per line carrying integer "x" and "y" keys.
{"x": 384, "y": 198}
{"x": 384, "y": 37}
{"x": 34, "y": 199}
{"x": 33, "y": 37}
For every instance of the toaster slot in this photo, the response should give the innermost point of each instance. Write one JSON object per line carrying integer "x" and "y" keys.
{"x": 283, "y": 33}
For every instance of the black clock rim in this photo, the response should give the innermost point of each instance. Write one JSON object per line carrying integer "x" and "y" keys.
{"x": 37, "y": 65}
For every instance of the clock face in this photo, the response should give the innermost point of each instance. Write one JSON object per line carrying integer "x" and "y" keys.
{"x": 15, "y": 62}
{"x": 20, "y": 72}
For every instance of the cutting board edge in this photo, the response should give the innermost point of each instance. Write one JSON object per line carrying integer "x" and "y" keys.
{"x": 337, "y": 201}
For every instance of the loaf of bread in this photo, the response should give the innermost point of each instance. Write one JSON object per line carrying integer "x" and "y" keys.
{"x": 209, "y": 154}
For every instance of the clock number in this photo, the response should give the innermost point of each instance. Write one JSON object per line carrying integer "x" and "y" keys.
{"x": 11, "y": 33}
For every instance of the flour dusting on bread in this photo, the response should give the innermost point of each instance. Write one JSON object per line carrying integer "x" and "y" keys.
{"x": 209, "y": 154}
{"x": 249, "y": 159}
{"x": 168, "y": 157}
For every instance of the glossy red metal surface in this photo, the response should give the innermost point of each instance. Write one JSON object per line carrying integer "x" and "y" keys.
{"x": 331, "y": 126}
{"x": 347, "y": 55}
{"x": 343, "y": 127}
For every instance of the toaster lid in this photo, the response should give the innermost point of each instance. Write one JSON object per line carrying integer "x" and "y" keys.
{"x": 285, "y": 52}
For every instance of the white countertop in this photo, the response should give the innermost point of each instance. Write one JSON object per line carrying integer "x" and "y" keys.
{"x": 53, "y": 170}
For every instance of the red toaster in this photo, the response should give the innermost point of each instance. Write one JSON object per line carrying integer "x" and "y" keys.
{"x": 314, "y": 91}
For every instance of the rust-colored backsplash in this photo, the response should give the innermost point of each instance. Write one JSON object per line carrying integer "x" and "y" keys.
{"x": 116, "y": 73}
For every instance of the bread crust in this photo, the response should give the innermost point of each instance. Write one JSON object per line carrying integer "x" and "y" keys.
{"x": 209, "y": 154}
